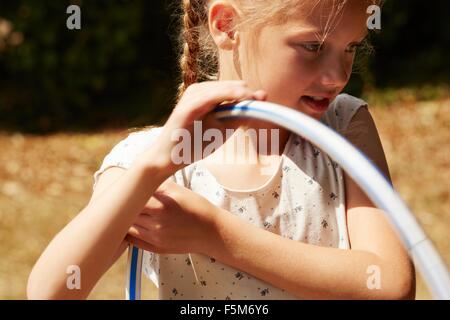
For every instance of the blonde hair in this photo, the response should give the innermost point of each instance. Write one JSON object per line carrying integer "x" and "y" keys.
{"x": 198, "y": 53}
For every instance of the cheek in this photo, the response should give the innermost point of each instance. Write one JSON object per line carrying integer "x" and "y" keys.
{"x": 286, "y": 76}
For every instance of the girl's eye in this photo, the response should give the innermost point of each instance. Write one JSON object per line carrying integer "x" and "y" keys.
{"x": 312, "y": 47}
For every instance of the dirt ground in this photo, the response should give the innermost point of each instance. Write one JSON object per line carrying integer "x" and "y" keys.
{"x": 46, "y": 180}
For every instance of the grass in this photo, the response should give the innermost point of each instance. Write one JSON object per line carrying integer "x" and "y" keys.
{"x": 46, "y": 180}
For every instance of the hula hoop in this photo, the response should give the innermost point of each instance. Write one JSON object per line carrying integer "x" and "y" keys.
{"x": 431, "y": 266}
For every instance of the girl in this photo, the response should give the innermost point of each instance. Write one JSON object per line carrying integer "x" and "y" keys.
{"x": 217, "y": 230}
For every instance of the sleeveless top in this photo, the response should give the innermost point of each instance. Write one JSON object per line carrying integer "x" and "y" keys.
{"x": 304, "y": 200}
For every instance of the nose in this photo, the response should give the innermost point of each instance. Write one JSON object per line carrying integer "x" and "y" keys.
{"x": 336, "y": 73}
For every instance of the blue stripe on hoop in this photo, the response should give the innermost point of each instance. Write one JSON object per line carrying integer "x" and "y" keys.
{"x": 227, "y": 108}
{"x": 133, "y": 267}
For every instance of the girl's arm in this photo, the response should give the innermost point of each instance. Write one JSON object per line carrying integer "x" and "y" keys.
{"x": 94, "y": 239}
{"x": 314, "y": 272}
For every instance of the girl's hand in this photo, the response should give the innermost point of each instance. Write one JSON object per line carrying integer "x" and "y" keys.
{"x": 197, "y": 101}
{"x": 175, "y": 220}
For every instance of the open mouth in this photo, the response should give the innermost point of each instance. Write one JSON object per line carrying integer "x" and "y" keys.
{"x": 319, "y": 104}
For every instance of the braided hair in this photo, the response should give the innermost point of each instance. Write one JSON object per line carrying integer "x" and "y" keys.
{"x": 195, "y": 19}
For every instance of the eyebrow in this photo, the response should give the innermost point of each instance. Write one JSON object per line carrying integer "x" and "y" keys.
{"x": 315, "y": 31}
{"x": 307, "y": 29}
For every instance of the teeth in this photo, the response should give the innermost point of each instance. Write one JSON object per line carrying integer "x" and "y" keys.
{"x": 318, "y": 98}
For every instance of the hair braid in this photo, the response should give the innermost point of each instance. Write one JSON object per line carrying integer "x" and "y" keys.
{"x": 192, "y": 19}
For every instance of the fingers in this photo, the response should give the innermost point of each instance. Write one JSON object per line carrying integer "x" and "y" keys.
{"x": 203, "y": 97}
{"x": 143, "y": 244}
{"x": 156, "y": 204}
{"x": 197, "y": 101}
{"x": 168, "y": 187}
{"x": 139, "y": 232}
{"x": 231, "y": 93}
{"x": 145, "y": 221}
{"x": 145, "y": 224}
{"x": 167, "y": 184}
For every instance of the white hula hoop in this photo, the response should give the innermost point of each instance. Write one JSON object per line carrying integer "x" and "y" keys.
{"x": 431, "y": 266}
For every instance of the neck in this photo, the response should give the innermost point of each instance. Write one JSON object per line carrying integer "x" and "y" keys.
{"x": 249, "y": 142}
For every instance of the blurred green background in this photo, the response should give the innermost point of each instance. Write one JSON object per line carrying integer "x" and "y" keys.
{"x": 68, "y": 96}
{"x": 120, "y": 68}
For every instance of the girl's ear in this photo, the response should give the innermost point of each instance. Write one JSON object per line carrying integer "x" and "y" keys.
{"x": 222, "y": 18}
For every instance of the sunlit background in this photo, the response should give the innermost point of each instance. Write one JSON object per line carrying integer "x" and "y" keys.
{"x": 68, "y": 96}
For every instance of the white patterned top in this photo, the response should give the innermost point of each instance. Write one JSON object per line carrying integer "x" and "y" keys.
{"x": 304, "y": 200}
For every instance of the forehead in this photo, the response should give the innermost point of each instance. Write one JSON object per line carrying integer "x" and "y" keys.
{"x": 327, "y": 18}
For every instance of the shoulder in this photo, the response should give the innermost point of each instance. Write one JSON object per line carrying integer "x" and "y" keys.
{"x": 126, "y": 150}
{"x": 351, "y": 117}
{"x": 341, "y": 111}
{"x": 355, "y": 122}
{"x": 363, "y": 133}
{"x": 135, "y": 143}
{"x": 142, "y": 138}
